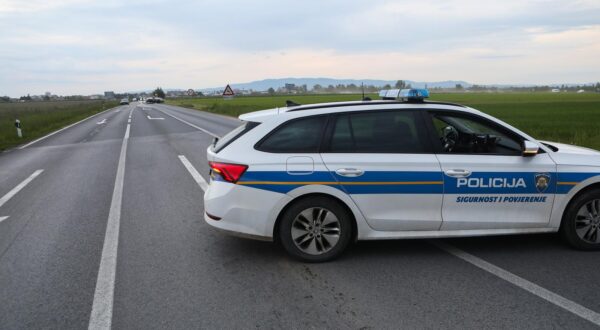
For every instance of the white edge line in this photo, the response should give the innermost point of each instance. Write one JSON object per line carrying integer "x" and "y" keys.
{"x": 62, "y": 129}
{"x": 197, "y": 177}
{"x": 20, "y": 186}
{"x": 522, "y": 283}
{"x": 190, "y": 124}
{"x": 102, "y": 306}
{"x": 236, "y": 119}
{"x": 3, "y": 218}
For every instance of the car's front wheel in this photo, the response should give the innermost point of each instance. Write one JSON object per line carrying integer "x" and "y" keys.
{"x": 315, "y": 229}
{"x": 581, "y": 223}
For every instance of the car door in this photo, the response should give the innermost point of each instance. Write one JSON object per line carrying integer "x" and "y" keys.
{"x": 384, "y": 161}
{"x": 488, "y": 182}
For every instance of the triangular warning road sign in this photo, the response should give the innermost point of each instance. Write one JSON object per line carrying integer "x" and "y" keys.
{"x": 228, "y": 91}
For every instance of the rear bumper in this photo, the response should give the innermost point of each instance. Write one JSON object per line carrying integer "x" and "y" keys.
{"x": 244, "y": 211}
{"x": 227, "y": 229}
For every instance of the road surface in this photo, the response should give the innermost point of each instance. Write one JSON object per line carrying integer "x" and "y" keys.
{"x": 101, "y": 225}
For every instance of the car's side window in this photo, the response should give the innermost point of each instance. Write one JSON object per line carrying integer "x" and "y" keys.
{"x": 296, "y": 136}
{"x": 396, "y": 131}
{"x": 469, "y": 134}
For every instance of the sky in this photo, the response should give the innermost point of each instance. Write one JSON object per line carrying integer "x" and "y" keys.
{"x": 71, "y": 47}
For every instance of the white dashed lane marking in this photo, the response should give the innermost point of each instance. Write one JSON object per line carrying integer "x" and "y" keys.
{"x": 18, "y": 188}
{"x": 197, "y": 177}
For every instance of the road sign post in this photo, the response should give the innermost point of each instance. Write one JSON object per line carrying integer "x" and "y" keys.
{"x": 18, "y": 126}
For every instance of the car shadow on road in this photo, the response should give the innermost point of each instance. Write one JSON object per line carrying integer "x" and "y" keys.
{"x": 514, "y": 244}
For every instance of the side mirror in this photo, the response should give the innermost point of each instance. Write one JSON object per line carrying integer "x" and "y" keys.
{"x": 214, "y": 141}
{"x": 530, "y": 149}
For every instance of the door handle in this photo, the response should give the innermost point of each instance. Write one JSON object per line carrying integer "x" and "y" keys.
{"x": 350, "y": 172}
{"x": 458, "y": 173}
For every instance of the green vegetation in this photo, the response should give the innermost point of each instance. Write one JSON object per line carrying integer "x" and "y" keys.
{"x": 40, "y": 118}
{"x": 561, "y": 117}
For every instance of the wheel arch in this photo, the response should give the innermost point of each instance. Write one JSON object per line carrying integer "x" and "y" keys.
{"x": 353, "y": 221}
{"x": 584, "y": 189}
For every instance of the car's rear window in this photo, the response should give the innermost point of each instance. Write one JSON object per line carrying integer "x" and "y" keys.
{"x": 234, "y": 135}
{"x": 295, "y": 136}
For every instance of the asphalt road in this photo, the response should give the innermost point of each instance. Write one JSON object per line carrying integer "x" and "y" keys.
{"x": 174, "y": 271}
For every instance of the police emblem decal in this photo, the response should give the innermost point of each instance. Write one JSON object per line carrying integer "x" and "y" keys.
{"x": 542, "y": 182}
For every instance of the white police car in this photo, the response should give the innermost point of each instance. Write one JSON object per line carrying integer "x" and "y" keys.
{"x": 317, "y": 177}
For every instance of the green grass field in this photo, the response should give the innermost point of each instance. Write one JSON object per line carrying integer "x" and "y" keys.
{"x": 561, "y": 117}
{"x": 40, "y": 118}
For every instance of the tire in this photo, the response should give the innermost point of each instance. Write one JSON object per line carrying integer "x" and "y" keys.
{"x": 580, "y": 225}
{"x": 315, "y": 229}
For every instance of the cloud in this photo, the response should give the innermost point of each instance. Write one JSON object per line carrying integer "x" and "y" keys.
{"x": 87, "y": 46}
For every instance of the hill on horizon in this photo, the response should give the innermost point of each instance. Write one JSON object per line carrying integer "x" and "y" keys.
{"x": 265, "y": 84}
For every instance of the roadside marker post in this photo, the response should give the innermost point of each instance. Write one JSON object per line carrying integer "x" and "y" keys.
{"x": 18, "y": 126}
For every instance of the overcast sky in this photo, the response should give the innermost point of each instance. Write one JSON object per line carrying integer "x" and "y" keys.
{"x": 86, "y": 47}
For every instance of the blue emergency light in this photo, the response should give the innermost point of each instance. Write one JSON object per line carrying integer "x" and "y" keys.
{"x": 413, "y": 94}
{"x": 409, "y": 95}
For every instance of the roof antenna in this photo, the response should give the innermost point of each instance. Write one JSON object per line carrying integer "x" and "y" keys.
{"x": 362, "y": 87}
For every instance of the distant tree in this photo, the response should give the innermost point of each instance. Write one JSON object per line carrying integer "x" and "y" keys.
{"x": 317, "y": 87}
{"x": 400, "y": 84}
{"x": 271, "y": 91}
{"x": 25, "y": 98}
{"x": 199, "y": 94}
{"x": 5, "y": 99}
{"x": 409, "y": 86}
{"x": 159, "y": 92}
{"x": 458, "y": 86}
{"x": 387, "y": 86}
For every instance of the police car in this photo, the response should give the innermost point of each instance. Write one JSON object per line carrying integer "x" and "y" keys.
{"x": 317, "y": 177}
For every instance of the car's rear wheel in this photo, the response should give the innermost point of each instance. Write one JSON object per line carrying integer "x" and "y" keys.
{"x": 315, "y": 229}
{"x": 581, "y": 223}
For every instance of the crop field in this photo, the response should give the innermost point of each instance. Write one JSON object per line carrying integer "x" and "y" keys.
{"x": 561, "y": 117}
{"x": 40, "y": 118}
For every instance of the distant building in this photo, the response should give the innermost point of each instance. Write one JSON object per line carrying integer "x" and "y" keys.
{"x": 290, "y": 87}
{"x": 555, "y": 90}
{"x": 109, "y": 95}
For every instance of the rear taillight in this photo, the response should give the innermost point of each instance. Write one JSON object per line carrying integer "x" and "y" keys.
{"x": 229, "y": 172}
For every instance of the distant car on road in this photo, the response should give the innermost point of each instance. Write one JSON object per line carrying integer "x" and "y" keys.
{"x": 155, "y": 100}
{"x": 124, "y": 101}
{"x": 318, "y": 177}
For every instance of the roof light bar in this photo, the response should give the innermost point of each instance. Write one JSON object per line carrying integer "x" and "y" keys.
{"x": 412, "y": 94}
